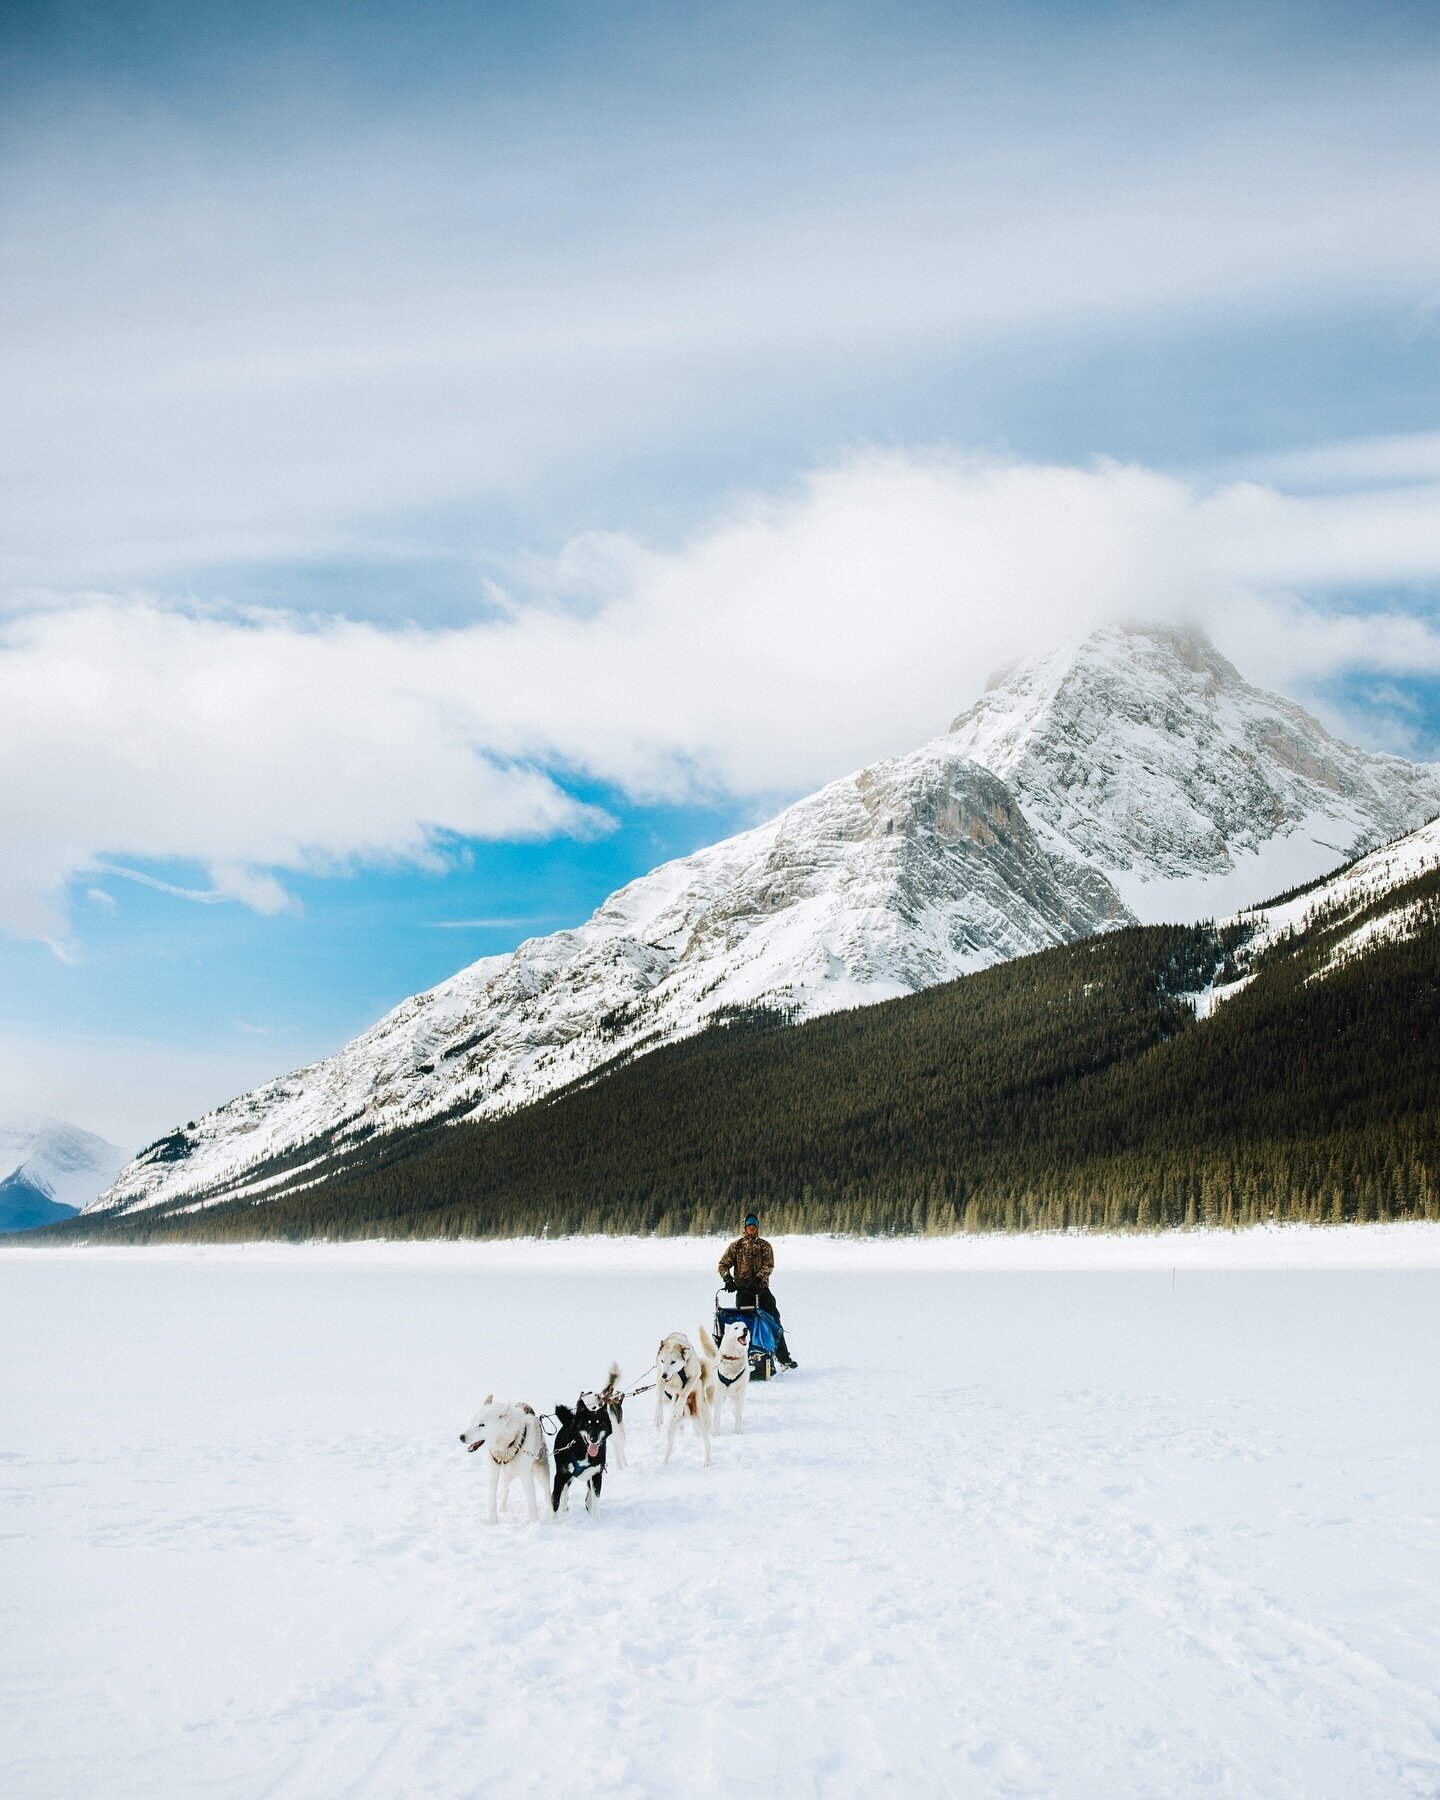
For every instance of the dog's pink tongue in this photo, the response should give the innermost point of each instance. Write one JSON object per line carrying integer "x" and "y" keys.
{"x": 592, "y": 1450}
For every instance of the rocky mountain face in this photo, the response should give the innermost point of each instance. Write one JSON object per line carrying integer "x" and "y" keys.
{"x": 1135, "y": 775}
{"x": 50, "y": 1170}
{"x": 1146, "y": 754}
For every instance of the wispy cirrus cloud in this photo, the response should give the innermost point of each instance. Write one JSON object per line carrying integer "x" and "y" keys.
{"x": 264, "y": 895}
{"x": 1412, "y": 456}
{"x": 249, "y": 339}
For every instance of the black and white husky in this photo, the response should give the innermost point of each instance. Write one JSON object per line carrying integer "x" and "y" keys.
{"x": 732, "y": 1369}
{"x": 580, "y": 1451}
{"x": 514, "y": 1444}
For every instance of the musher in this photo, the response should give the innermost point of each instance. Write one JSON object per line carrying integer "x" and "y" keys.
{"x": 747, "y": 1265}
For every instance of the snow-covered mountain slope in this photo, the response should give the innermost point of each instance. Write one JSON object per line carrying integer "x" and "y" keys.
{"x": 48, "y": 1170}
{"x": 909, "y": 873}
{"x": 1144, "y": 752}
{"x": 1369, "y": 889}
{"x": 1372, "y": 902}
{"x": 1136, "y": 776}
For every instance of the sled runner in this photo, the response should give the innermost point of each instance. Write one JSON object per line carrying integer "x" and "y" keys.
{"x": 764, "y": 1329}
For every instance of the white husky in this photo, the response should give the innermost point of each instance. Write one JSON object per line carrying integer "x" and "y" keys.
{"x": 685, "y": 1386}
{"x": 514, "y": 1444}
{"x": 732, "y": 1368}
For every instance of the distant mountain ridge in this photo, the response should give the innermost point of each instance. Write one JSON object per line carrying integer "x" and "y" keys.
{"x": 49, "y": 1170}
{"x": 1134, "y": 775}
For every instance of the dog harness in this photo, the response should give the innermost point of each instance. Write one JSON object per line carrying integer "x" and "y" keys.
{"x": 514, "y": 1450}
{"x": 583, "y": 1464}
{"x": 683, "y": 1378}
{"x": 729, "y": 1380}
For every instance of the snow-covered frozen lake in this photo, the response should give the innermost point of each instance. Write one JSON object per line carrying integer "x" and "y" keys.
{"x": 1140, "y": 1517}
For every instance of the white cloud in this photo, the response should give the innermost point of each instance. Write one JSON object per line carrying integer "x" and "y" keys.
{"x": 252, "y": 745}
{"x": 798, "y": 637}
{"x": 1357, "y": 462}
{"x": 1374, "y": 535}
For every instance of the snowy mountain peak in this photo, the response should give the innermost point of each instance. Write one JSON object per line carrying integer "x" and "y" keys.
{"x": 1136, "y": 774}
{"x": 1155, "y": 664}
{"x": 1144, "y": 751}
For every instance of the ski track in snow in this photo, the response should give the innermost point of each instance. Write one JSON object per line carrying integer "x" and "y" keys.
{"x": 1047, "y": 1530}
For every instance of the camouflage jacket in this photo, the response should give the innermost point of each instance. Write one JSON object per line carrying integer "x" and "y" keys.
{"x": 751, "y": 1260}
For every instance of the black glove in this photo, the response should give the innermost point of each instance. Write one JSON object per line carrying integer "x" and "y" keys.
{"x": 729, "y": 1284}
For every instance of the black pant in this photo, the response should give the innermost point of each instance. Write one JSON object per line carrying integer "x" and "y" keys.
{"x": 765, "y": 1300}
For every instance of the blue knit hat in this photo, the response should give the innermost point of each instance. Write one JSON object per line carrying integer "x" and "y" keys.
{"x": 750, "y": 1219}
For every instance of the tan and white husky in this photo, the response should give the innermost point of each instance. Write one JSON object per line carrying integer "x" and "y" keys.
{"x": 685, "y": 1386}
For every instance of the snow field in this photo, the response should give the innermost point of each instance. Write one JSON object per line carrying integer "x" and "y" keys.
{"x": 1063, "y": 1531}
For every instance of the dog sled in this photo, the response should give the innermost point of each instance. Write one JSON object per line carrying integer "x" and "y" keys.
{"x": 764, "y": 1328}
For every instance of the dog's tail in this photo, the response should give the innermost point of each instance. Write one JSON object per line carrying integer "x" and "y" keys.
{"x": 709, "y": 1355}
{"x": 612, "y": 1380}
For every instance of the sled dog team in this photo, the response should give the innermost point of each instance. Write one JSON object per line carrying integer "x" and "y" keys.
{"x": 690, "y": 1385}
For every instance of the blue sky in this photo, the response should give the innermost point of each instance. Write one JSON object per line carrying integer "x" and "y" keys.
{"x": 457, "y": 456}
